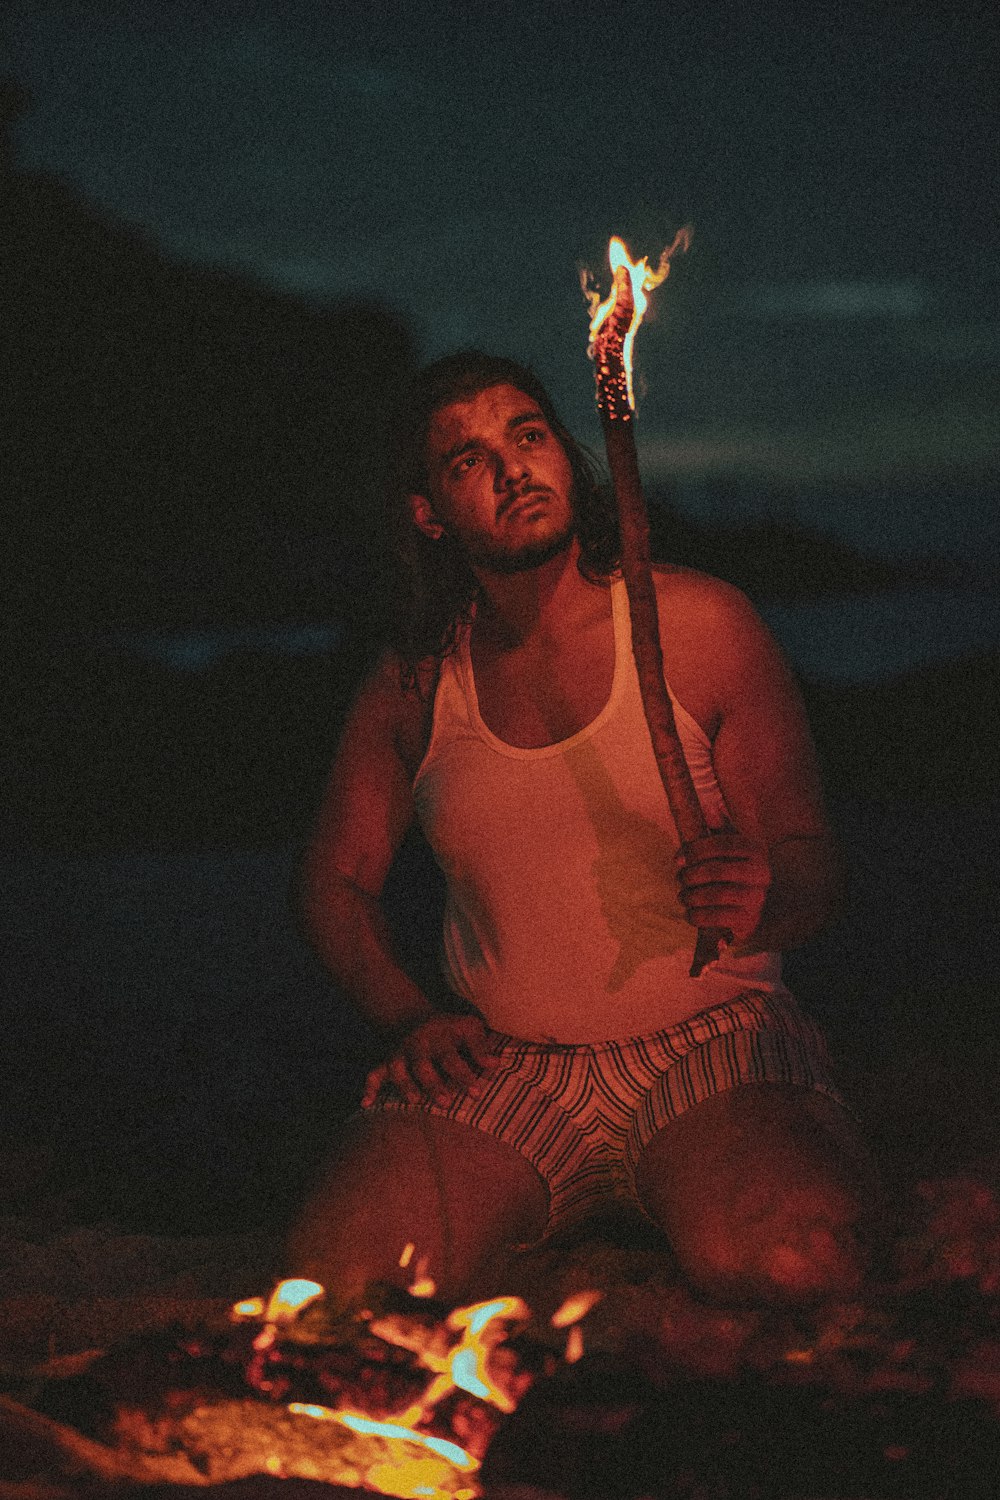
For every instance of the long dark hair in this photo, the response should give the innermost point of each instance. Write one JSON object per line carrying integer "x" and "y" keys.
{"x": 435, "y": 588}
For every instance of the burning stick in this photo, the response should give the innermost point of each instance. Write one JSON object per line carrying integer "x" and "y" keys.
{"x": 612, "y": 330}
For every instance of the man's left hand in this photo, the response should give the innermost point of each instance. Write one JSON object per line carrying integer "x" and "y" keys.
{"x": 723, "y": 880}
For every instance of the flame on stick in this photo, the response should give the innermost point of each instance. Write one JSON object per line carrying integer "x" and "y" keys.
{"x": 643, "y": 279}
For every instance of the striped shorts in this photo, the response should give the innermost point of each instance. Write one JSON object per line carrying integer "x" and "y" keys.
{"x": 583, "y": 1113}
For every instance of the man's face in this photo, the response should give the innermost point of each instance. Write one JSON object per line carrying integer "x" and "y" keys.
{"x": 500, "y": 482}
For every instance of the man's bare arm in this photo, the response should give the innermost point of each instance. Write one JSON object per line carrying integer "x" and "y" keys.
{"x": 366, "y": 811}
{"x": 782, "y": 852}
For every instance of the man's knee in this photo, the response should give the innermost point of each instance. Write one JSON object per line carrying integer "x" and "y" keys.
{"x": 804, "y": 1247}
{"x": 765, "y": 1194}
{"x": 411, "y": 1179}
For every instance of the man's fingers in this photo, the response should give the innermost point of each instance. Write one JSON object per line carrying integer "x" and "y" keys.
{"x": 458, "y": 1071}
{"x": 733, "y": 917}
{"x": 726, "y": 904}
{"x": 400, "y": 1073}
{"x": 435, "y": 1059}
{"x": 746, "y": 869}
{"x": 373, "y": 1084}
{"x": 730, "y": 844}
{"x": 449, "y": 1069}
{"x": 720, "y": 892}
{"x": 438, "y": 1072}
{"x": 706, "y": 857}
{"x": 736, "y": 919}
{"x": 424, "y": 1073}
{"x": 477, "y": 1044}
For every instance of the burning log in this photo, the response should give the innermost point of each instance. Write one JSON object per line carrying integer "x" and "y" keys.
{"x": 612, "y": 331}
{"x": 64, "y": 1451}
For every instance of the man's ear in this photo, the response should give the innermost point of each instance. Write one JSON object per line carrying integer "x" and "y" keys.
{"x": 424, "y": 519}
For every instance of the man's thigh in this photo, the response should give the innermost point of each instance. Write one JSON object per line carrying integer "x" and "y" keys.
{"x": 460, "y": 1197}
{"x": 765, "y": 1191}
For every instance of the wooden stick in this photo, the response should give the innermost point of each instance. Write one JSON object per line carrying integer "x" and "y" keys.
{"x": 69, "y": 1452}
{"x": 623, "y": 463}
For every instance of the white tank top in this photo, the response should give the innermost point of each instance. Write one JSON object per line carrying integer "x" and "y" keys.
{"x": 562, "y": 921}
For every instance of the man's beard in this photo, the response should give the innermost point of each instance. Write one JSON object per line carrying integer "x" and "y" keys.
{"x": 527, "y": 556}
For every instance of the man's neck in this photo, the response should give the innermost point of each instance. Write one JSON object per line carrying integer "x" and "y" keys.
{"x": 517, "y": 609}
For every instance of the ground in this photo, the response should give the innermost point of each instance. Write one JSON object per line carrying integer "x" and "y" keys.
{"x": 176, "y": 1064}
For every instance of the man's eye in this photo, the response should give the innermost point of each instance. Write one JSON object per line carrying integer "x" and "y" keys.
{"x": 466, "y": 462}
{"x": 533, "y": 435}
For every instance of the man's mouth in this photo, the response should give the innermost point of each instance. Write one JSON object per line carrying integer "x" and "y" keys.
{"x": 518, "y": 502}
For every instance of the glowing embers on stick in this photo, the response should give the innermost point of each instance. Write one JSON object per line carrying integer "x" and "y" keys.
{"x": 482, "y": 1327}
{"x": 289, "y": 1298}
{"x": 284, "y": 1304}
{"x": 574, "y": 1308}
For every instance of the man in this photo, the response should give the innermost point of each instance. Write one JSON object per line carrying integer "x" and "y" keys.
{"x": 571, "y": 1060}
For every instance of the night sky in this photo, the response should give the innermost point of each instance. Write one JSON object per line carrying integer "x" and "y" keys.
{"x": 837, "y": 316}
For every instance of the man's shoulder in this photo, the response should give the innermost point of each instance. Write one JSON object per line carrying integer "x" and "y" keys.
{"x": 395, "y": 685}
{"x": 395, "y": 702}
{"x": 688, "y": 597}
{"x": 712, "y": 637}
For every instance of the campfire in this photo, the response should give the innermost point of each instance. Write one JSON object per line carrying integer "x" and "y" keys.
{"x": 893, "y": 1395}
{"x": 426, "y": 1399}
{"x": 401, "y": 1397}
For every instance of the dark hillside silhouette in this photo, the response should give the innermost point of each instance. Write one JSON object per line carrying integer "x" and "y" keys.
{"x": 181, "y": 446}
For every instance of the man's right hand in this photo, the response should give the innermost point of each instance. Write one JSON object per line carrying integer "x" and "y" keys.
{"x": 439, "y": 1055}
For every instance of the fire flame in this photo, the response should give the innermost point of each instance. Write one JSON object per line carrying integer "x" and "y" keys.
{"x": 405, "y": 1477}
{"x": 568, "y": 1316}
{"x": 422, "y": 1285}
{"x": 642, "y": 278}
{"x": 250, "y": 1307}
{"x": 482, "y": 1329}
{"x": 289, "y": 1298}
{"x": 574, "y": 1308}
{"x": 456, "y": 1364}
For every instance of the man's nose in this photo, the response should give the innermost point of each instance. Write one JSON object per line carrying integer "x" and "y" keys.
{"x": 510, "y": 468}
